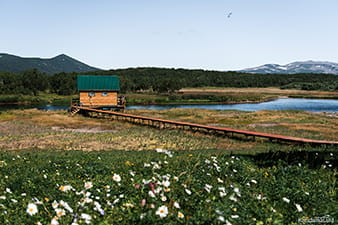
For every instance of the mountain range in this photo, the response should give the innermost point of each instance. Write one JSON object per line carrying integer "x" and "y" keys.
{"x": 60, "y": 63}
{"x": 64, "y": 63}
{"x": 296, "y": 67}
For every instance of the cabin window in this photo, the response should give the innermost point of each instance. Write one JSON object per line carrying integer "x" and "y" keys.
{"x": 91, "y": 94}
{"x": 104, "y": 93}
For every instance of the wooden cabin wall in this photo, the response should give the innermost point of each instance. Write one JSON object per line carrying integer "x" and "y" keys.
{"x": 98, "y": 99}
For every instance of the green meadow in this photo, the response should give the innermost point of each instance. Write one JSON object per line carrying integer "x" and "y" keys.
{"x": 58, "y": 169}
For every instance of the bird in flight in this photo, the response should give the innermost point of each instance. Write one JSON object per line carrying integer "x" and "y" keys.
{"x": 229, "y": 14}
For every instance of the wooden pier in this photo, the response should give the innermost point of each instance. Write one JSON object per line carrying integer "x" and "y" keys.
{"x": 171, "y": 124}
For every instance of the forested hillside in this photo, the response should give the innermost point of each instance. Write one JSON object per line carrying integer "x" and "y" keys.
{"x": 58, "y": 64}
{"x": 163, "y": 80}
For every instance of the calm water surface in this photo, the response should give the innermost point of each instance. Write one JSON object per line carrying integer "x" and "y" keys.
{"x": 310, "y": 105}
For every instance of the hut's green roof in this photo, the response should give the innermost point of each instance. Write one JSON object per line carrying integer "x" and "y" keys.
{"x": 98, "y": 82}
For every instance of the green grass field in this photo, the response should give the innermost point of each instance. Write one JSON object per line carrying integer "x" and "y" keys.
{"x": 190, "y": 187}
{"x": 57, "y": 169}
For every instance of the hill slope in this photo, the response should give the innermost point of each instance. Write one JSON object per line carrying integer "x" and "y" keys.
{"x": 60, "y": 63}
{"x": 296, "y": 67}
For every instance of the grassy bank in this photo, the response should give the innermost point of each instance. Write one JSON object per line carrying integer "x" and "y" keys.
{"x": 56, "y": 129}
{"x": 212, "y": 95}
{"x": 41, "y": 99}
{"x": 207, "y": 95}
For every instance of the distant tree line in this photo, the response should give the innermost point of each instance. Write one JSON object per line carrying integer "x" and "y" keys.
{"x": 169, "y": 80}
{"x": 163, "y": 80}
{"x": 32, "y": 82}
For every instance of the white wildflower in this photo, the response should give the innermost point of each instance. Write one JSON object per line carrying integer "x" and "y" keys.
{"x": 221, "y": 218}
{"x": 60, "y": 212}
{"x": 222, "y": 194}
{"x": 116, "y": 201}
{"x": 54, "y": 221}
{"x": 221, "y": 189}
{"x": 227, "y": 222}
{"x": 151, "y": 194}
{"x": 180, "y": 215}
{"x": 177, "y": 205}
{"x": 162, "y": 211}
{"x": 163, "y": 198}
{"x": 86, "y": 217}
{"x": 232, "y": 198}
{"x": 65, "y": 188}
{"x": 32, "y": 209}
{"x": 66, "y": 206}
{"x": 208, "y": 187}
{"x": 156, "y": 166}
{"x": 286, "y": 200}
{"x": 142, "y": 215}
{"x": 188, "y": 191}
{"x": 166, "y": 183}
{"x": 88, "y": 185}
{"x": 299, "y": 208}
{"x": 116, "y": 178}
{"x": 55, "y": 204}
{"x": 129, "y": 205}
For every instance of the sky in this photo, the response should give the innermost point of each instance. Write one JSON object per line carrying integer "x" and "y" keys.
{"x": 192, "y": 34}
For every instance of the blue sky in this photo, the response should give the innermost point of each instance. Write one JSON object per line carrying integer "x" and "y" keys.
{"x": 192, "y": 34}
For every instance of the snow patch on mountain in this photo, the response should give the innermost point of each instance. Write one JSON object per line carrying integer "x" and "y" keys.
{"x": 296, "y": 67}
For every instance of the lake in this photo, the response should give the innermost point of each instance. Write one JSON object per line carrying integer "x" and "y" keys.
{"x": 310, "y": 105}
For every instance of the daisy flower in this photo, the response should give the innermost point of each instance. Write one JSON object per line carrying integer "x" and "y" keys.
{"x": 88, "y": 185}
{"x": 163, "y": 198}
{"x": 162, "y": 211}
{"x": 65, "y": 188}
{"x": 180, "y": 215}
{"x": 55, "y": 204}
{"x": 60, "y": 212}
{"x": 32, "y": 209}
{"x": 166, "y": 183}
{"x": 116, "y": 178}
